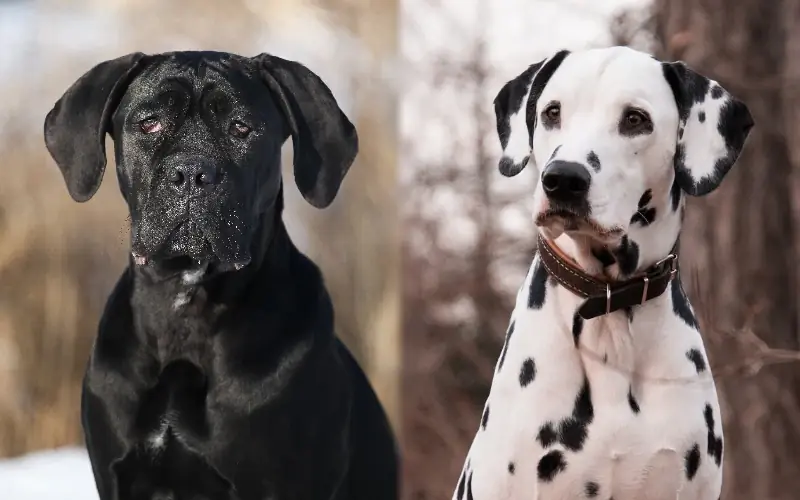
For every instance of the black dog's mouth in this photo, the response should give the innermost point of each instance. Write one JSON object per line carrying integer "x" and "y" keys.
{"x": 188, "y": 251}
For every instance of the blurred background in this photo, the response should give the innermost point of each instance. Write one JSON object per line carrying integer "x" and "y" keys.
{"x": 432, "y": 242}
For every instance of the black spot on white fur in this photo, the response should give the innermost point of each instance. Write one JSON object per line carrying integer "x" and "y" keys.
{"x": 629, "y": 314}
{"x": 644, "y": 215}
{"x": 547, "y": 435}
{"x": 527, "y": 372}
{"x": 632, "y": 401}
{"x": 692, "y": 461}
{"x": 593, "y": 161}
{"x": 461, "y": 484}
{"x": 469, "y": 487}
{"x": 550, "y": 465}
{"x": 485, "y": 417}
{"x": 701, "y": 115}
{"x": 680, "y": 305}
{"x": 538, "y": 286}
{"x": 573, "y": 430}
{"x": 696, "y": 357}
{"x": 675, "y": 195}
{"x": 592, "y": 489}
{"x": 714, "y": 441}
{"x": 577, "y": 327}
{"x": 511, "y": 468}
{"x": 627, "y": 256}
{"x": 509, "y": 332}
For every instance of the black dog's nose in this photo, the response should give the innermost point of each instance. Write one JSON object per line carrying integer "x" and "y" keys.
{"x": 566, "y": 181}
{"x": 196, "y": 174}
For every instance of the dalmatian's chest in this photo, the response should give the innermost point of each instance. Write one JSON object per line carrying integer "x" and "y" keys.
{"x": 569, "y": 422}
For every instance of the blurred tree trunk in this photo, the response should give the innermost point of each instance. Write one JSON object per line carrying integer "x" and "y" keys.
{"x": 362, "y": 267}
{"x": 742, "y": 237}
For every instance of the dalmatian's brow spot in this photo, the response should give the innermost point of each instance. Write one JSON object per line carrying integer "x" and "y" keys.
{"x": 714, "y": 442}
{"x": 505, "y": 345}
{"x": 701, "y": 115}
{"x": 511, "y": 468}
{"x": 538, "y": 286}
{"x": 547, "y": 435}
{"x": 632, "y": 401}
{"x": 577, "y": 328}
{"x": 692, "y": 461}
{"x": 550, "y": 465}
{"x": 696, "y": 357}
{"x": 485, "y": 417}
{"x": 593, "y": 161}
{"x": 716, "y": 92}
{"x": 592, "y": 489}
{"x": 680, "y": 305}
{"x": 527, "y": 373}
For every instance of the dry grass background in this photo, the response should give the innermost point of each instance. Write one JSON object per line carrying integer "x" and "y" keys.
{"x": 57, "y": 261}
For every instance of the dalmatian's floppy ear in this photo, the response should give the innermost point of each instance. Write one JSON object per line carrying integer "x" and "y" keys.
{"x": 713, "y": 129}
{"x": 75, "y": 129}
{"x": 325, "y": 142}
{"x": 515, "y": 123}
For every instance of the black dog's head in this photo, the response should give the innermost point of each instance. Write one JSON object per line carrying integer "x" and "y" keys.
{"x": 197, "y": 140}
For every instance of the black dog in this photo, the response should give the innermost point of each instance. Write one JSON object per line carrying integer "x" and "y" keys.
{"x": 216, "y": 373}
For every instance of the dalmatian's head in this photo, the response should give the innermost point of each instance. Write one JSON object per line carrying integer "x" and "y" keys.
{"x": 616, "y": 137}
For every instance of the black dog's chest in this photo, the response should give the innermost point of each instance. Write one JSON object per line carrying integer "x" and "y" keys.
{"x": 169, "y": 459}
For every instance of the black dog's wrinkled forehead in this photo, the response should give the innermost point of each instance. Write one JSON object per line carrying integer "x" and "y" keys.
{"x": 226, "y": 82}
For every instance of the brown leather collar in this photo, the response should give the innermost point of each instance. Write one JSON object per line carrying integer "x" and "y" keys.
{"x": 603, "y": 297}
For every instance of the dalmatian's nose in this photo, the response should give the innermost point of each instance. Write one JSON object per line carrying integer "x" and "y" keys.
{"x": 566, "y": 181}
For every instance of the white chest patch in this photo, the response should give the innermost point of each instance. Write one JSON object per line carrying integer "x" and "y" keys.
{"x": 596, "y": 409}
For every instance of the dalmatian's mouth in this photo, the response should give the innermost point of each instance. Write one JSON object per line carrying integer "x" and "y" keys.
{"x": 553, "y": 222}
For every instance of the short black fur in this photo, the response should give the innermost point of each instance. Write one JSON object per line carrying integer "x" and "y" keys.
{"x": 216, "y": 371}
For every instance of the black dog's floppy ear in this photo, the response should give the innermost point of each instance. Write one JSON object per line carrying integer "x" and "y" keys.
{"x": 713, "y": 129}
{"x": 515, "y": 123}
{"x": 74, "y": 130}
{"x": 325, "y": 142}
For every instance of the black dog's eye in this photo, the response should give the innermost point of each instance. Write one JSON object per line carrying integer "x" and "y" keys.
{"x": 635, "y": 122}
{"x": 150, "y": 125}
{"x": 239, "y": 129}
{"x": 551, "y": 116}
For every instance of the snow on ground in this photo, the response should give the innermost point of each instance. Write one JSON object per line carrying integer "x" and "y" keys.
{"x": 60, "y": 474}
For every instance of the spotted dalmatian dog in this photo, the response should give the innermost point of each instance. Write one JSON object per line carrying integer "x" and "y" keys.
{"x": 622, "y": 405}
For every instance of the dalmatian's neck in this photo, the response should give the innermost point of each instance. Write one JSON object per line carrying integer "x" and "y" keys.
{"x": 615, "y": 338}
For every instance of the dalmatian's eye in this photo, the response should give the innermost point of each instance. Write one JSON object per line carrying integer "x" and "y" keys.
{"x": 239, "y": 129}
{"x": 635, "y": 122}
{"x": 150, "y": 125}
{"x": 552, "y": 113}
